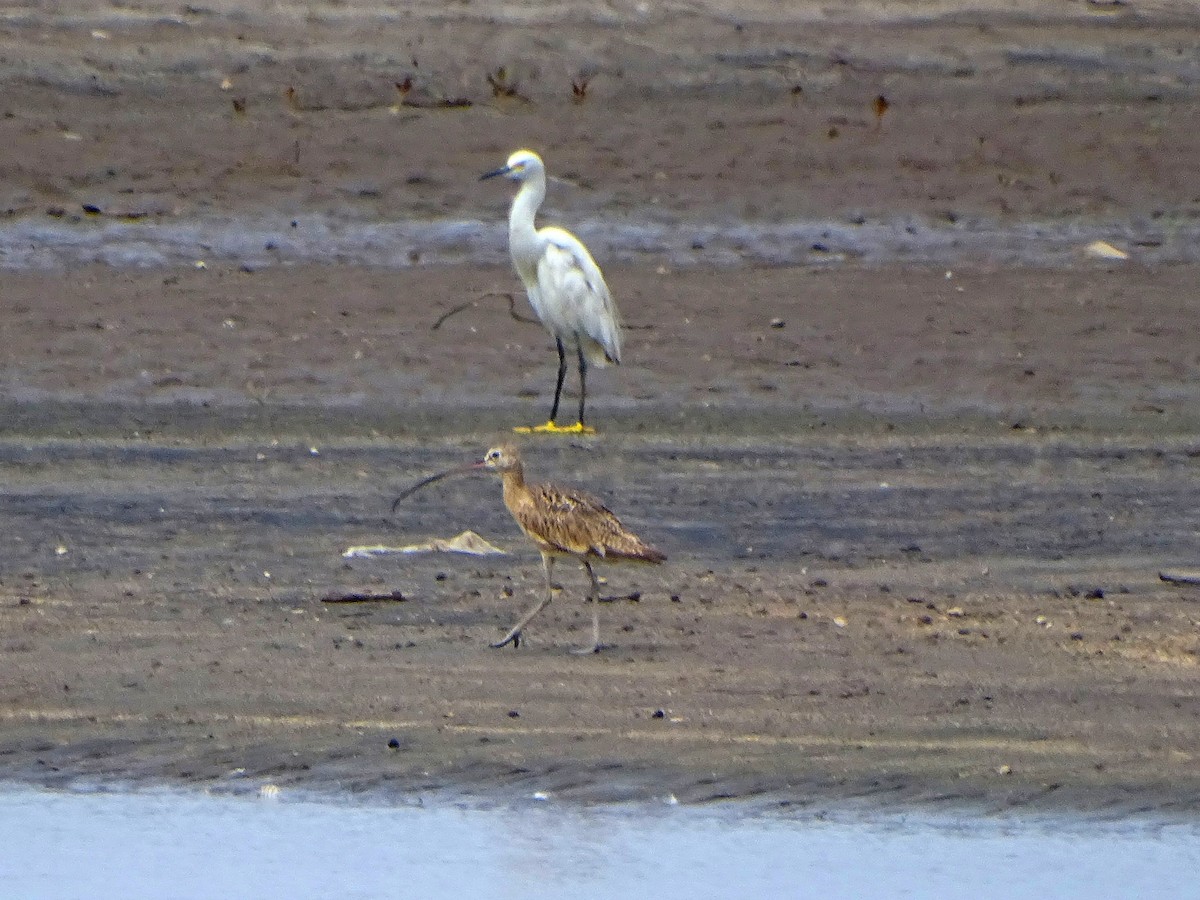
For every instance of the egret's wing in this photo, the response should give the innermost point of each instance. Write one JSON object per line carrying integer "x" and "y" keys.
{"x": 535, "y": 301}
{"x": 571, "y": 281}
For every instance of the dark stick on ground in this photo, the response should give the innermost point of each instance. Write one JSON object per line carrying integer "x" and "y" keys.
{"x": 393, "y": 596}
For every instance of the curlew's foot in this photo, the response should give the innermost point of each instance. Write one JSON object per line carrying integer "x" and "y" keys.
{"x": 513, "y": 638}
{"x": 552, "y": 428}
{"x": 588, "y": 651}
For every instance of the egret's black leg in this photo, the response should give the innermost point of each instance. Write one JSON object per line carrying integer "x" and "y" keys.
{"x": 582, "y": 379}
{"x": 562, "y": 374}
{"x": 550, "y": 427}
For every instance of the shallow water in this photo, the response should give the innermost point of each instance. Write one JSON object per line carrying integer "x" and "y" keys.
{"x": 183, "y": 845}
{"x": 35, "y": 243}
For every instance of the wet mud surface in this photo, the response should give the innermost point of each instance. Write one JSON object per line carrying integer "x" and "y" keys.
{"x": 915, "y": 515}
{"x": 860, "y": 601}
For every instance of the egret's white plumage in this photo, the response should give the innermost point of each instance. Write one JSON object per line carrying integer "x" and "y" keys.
{"x": 565, "y": 286}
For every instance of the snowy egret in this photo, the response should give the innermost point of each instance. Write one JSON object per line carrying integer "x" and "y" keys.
{"x": 561, "y": 521}
{"x": 564, "y": 284}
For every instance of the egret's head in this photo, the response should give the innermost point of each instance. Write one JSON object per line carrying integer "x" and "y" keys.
{"x": 501, "y": 459}
{"x": 520, "y": 166}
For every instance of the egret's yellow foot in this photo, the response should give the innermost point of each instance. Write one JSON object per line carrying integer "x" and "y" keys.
{"x": 552, "y": 428}
{"x": 577, "y": 428}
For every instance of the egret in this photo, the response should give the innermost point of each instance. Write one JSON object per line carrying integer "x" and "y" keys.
{"x": 561, "y": 521}
{"x": 564, "y": 284}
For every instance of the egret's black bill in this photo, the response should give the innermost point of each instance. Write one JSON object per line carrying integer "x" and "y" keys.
{"x": 503, "y": 170}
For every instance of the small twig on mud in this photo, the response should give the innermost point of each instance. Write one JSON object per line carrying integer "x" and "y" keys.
{"x": 632, "y": 598}
{"x": 505, "y": 87}
{"x": 512, "y": 309}
{"x": 579, "y": 87}
{"x": 1180, "y": 577}
{"x": 364, "y": 598}
{"x": 453, "y": 312}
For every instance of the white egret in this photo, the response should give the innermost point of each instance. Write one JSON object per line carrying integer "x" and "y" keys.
{"x": 564, "y": 284}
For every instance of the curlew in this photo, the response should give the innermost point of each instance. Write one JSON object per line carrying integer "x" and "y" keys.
{"x": 561, "y": 522}
{"x": 565, "y": 286}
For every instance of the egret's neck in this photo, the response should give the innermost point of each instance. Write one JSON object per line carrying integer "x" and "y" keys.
{"x": 521, "y": 229}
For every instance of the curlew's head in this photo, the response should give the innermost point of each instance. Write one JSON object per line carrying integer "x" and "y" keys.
{"x": 521, "y": 165}
{"x": 501, "y": 459}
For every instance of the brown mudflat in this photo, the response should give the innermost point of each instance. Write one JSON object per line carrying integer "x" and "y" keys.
{"x": 915, "y": 523}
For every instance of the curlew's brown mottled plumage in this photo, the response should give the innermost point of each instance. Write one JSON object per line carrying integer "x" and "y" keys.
{"x": 561, "y": 522}
{"x": 564, "y": 522}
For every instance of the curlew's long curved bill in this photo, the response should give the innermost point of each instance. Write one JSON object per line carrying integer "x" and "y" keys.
{"x": 461, "y": 470}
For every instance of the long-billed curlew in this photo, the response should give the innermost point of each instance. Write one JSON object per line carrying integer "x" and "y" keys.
{"x": 561, "y": 522}
{"x": 564, "y": 284}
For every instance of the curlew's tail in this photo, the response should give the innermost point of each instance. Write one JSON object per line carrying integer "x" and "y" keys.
{"x": 653, "y": 555}
{"x": 631, "y": 547}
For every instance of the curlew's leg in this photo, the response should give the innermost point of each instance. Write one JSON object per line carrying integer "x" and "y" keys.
{"x": 514, "y": 634}
{"x": 594, "y": 597}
